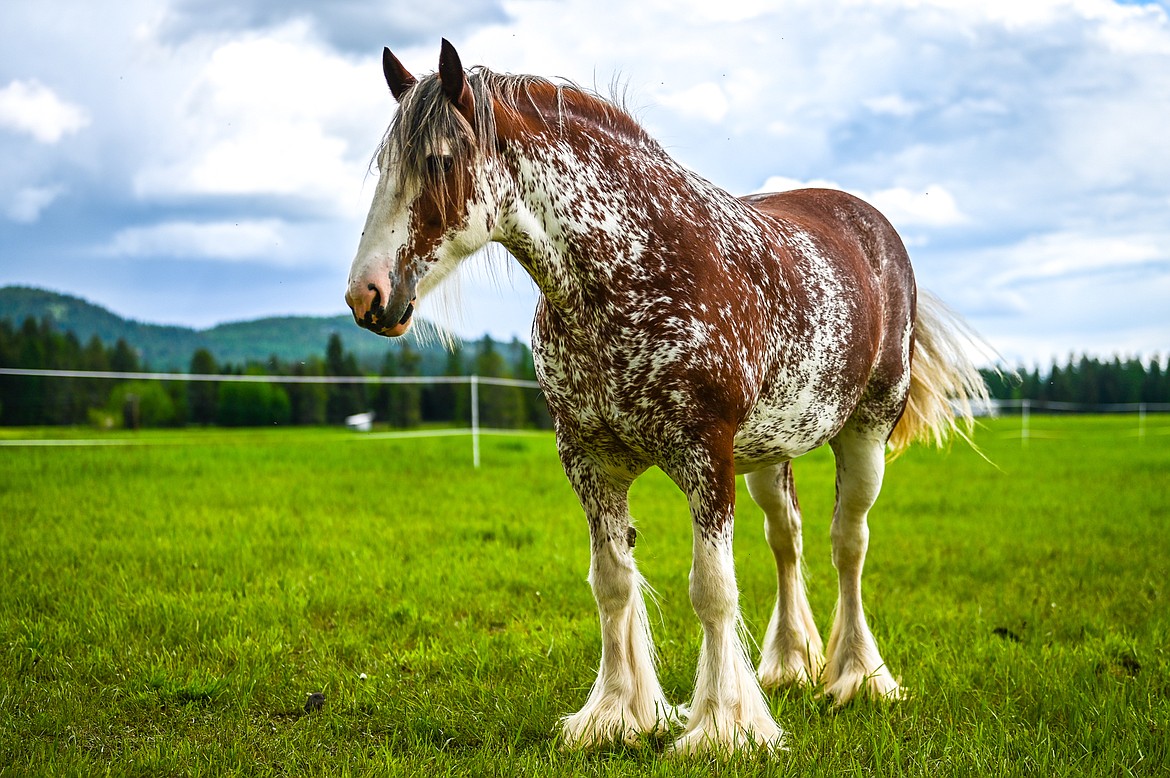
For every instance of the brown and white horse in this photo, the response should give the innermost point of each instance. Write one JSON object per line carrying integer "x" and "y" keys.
{"x": 683, "y": 328}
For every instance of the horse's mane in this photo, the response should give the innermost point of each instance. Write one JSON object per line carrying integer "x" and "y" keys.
{"x": 427, "y": 122}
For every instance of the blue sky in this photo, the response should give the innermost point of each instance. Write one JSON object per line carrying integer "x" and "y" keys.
{"x": 199, "y": 161}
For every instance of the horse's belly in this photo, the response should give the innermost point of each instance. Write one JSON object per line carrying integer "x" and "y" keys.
{"x": 776, "y": 432}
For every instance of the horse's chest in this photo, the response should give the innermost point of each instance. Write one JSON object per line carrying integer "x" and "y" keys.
{"x": 618, "y": 390}
{"x": 597, "y": 399}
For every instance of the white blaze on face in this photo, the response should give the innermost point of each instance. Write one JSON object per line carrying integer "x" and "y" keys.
{"x": 386, "y": 231}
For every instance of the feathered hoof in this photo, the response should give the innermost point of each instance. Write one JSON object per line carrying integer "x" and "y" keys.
{"x": 797, "y": 671}
{"x": 763, "y": 736}
{"x": 601, "y": 725}
{"x": 876, "y": 685}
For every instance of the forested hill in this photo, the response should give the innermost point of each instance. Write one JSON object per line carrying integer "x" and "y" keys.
{"x": 163, "y": 347}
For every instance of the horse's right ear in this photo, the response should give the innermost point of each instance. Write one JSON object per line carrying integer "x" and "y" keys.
{"x": 397, "y": 77}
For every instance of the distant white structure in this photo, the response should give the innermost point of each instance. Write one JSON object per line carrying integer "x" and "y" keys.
{"x": 360, "y": 422}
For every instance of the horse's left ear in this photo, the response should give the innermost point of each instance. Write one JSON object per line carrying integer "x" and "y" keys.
{"x": 398, "y": 78}
{"x": 454, "y": 82}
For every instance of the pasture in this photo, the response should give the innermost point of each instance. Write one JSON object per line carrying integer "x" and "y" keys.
{"x": 168, "y": 605}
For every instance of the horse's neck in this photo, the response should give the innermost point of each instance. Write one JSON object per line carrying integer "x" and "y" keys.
{"x": 582, "y": 217}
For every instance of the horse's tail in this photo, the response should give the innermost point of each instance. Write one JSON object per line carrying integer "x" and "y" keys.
{"x": 945, "y": 384}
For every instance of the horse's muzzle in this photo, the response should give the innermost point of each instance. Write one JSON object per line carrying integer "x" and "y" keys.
{"x": 370, "y": 313}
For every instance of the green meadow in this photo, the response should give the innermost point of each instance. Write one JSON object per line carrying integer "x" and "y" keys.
{"x": 170, "y": 599}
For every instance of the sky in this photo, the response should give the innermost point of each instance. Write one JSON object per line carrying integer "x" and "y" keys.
{"x": 198, "y": 161}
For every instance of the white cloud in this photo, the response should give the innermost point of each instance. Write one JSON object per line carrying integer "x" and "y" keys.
{"x": 1067, "y": 254}
{"x": 721, "y": 12}
{"x": 1138, "y": 30}
{"x": 892, "y": 105}
{"x": 930, "y": 206}
{"x": 26, "y": 205}
{"x": 32, "y": 108}
{"x": 275, "y": 114}
{"x": 263, "y": 241}
{"x": 1102, "y": 314}
{"x": 702, "y": 101}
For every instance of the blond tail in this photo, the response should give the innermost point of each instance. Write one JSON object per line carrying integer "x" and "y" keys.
{"x": 945, "y": 384}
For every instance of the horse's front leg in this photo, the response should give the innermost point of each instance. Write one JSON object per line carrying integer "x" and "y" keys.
{"x": 729, "y": 710}
{"x": 626, "y": 699}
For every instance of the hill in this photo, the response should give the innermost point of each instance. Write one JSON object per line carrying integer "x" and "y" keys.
{"x": 168, "y": 347}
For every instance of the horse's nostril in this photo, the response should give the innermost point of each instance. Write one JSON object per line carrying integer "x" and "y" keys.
{"x": 376, "y": 303}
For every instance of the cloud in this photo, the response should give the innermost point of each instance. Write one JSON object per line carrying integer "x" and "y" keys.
{"x": 32, "y": 108}
{"x": 26, "y": 205}
{"x": 704, "y": 101}
{"x": 1064, "y": 255}
{"x": 930, "y": 206}
{"x": 348, "y": 25}
{"x": 891, "y": 104}
{"x": 1104, "y": 313}
{"x": 224, "y": 241}
{"x": 274, "y": 114}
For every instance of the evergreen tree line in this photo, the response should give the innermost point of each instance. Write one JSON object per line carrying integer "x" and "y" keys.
{"x": 28, "y": 400}
{"x": 1086, "y": 381}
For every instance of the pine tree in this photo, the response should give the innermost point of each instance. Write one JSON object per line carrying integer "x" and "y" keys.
{"x": 342, "y": 399}
{"x": 402, "y": 403}
{"x": 499, "y": 406}
{"x": 448, "y": 402}
{"x": 535, "y": 408}
{"x": 307, "y": 401}
{"x": 1152, "y": 383}
{"x": 95, "y": 392}
{"x": 202, "y": 396}
{"x": 124, "y": 359}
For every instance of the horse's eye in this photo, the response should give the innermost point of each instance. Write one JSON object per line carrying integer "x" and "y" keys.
{"x": 439, "y": 164}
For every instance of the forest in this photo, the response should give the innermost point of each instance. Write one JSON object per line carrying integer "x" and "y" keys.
{"x": 1087, "y": 382}
{"x": 105, "y": 402}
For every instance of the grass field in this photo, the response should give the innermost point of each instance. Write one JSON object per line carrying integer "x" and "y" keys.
{"x": 168, "y": 605}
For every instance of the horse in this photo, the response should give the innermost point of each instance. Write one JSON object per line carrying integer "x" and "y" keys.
{"x": 682, "y": 328}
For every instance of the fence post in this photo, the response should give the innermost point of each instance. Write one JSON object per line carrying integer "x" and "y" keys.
{"x": 475, "y": 420}
{"x": 1025, "y": 405}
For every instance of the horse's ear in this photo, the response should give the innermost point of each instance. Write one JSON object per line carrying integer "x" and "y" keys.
{"x": 454, "y": 81}
{"x": 398, "y": 78}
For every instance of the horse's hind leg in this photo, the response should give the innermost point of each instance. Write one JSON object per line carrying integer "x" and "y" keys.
{"x": 626, "y": 699}
{"x": 854, "y": 663}
{"x": 792, "y": 653}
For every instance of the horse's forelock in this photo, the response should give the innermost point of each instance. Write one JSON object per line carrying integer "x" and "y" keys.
{"x": 427, "y": 121}
{"x": 427, "y": 124}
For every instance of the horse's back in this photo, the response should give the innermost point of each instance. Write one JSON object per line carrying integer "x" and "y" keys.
{"x": 844, "y": 216}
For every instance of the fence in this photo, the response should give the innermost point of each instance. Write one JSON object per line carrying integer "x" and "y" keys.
{"x": 1026, "y": 407}
{"x": 474, "y": 382}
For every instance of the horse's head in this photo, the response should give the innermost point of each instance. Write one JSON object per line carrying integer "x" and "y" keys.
{"x": 433, "y": 204}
